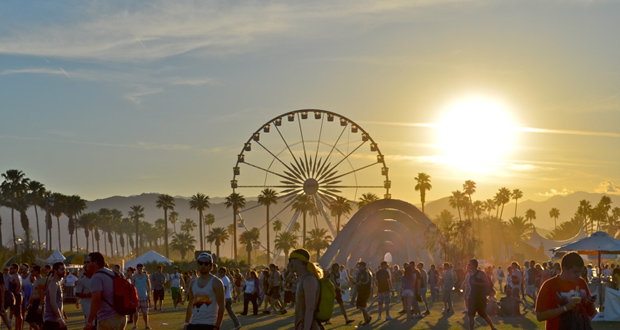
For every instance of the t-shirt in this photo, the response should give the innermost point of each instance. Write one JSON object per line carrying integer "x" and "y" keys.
{"x": 383, "y": 278}
{"x": 157, "y": 280}
{"x": 515, "y": 279}
{"x": 70, "y": 280}
{"x": 448, "y": 280}
{"x": 531, "y": 276}
{"x": 556, "y": 292}
{"x": 83, "y": 286}
{"x": 105, "y": 284}
{"x": 424, "y": 279}
{"x": 226, "y": 282}
{"x": 363, "y": 280}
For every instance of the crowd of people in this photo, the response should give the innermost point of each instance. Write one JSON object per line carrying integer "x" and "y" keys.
{"x": 557, "y": 292}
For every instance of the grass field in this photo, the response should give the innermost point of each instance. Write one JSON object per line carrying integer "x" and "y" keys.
{"x": 170, "y": 320}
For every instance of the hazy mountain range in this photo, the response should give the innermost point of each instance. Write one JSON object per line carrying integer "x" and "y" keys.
{"x": 254, "y": 214}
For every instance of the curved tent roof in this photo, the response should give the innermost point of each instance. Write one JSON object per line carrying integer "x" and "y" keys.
{"x": 150, "y": 256}
{"x": 545, "y": 244}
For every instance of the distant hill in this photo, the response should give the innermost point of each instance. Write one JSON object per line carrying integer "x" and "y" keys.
{"x": 566, "y": 204}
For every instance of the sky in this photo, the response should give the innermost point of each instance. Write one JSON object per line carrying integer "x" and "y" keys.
{"x": 105, "y": 98}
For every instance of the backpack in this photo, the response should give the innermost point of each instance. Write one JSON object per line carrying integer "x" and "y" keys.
{"x": 327, "y": 295}
{"x": 125, "y": 295}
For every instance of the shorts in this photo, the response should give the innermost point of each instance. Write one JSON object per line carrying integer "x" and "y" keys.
{"x": 158, "y": 295}
{"x": 113, "y": 323}
{"x": 477, "y": 306}
{"x": 362, "y": 297}
{"x": 447, "y": 295}
{"x": 33, "y": 316}
{"x": 275, "y": 292}
{"x": 200, "y": 327}
{"x": 143, "y": 304}
{"x": 384, "y": 297}
{"x": 19, "y": 302}
{"x": 530, "y": 290}
{"x": 407, "y": 293}
{"x": 175, "y": 292}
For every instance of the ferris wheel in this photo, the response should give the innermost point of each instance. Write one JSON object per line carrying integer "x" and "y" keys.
{"x": 310, "y": 152}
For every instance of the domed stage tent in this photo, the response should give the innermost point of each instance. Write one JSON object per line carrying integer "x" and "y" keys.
{"x": 150, "y": 256}
{"x": 546, "y": 245}
{"x": 386, "y": 225}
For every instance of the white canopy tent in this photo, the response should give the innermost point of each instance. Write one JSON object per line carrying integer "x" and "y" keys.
{"x": 55, "y": 257}
{"x": 150, "y": 256}
{"x": 545, "y": 245}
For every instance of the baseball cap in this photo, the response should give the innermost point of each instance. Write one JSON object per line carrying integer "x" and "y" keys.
{"x": 205, "y": 255}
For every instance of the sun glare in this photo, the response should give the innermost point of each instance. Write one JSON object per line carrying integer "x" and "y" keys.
{"x": 476, "y": 133}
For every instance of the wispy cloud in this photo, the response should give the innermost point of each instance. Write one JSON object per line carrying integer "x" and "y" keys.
{"x": 136, "y": 97}
{"x": 554, "y": 192}
{"x": 136, "y": 145}
{"x": 59, "y": 71}
{"x": 608, "y": 187}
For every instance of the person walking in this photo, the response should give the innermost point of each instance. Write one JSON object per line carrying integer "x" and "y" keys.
{"x": 308, "y": 290}
{"x": 221, "y": 273}
{"x": 34, "y": 317}
{"x": 82, "y": 290}
{"x": 206, "y": 298}
{"x": 143, "y": 287}
{"x": 102, "y": 289}
{"x": 479, "y": 287}
{"x": 334, "y": 277}
{"x": 158, "y": 280}
{"x": 176, "y": 283}
{"x": 54, "y": 317}
{"x": 424, "y": 286}
{"x": 363, "y": 283}
{"x": 384, "y": 288}
{"x": 250, "y": 293}
{"x": 15, "y": 287}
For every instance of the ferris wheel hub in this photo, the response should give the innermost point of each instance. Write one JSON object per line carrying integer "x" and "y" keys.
{"x": 311, "y": 186}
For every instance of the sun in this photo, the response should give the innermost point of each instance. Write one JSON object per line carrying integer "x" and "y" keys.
{"x": 476, "y": 133}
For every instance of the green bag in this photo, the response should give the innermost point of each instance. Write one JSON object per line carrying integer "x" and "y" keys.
{"x": 327, "y": 295}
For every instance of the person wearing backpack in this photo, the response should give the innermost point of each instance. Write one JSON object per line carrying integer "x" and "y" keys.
{"x": 308, "y": 290}
{"x": 480, "y": 287}
{"x": 102, "y": 289}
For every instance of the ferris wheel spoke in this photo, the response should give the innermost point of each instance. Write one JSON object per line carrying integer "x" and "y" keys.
{"x": 354, "y": 187}
{"x": 350, "y": 172}
{"x": 324, "y": 214}
{"x": 344, "y": 128}
{"x": 303, "y": 142}
{"x": 272, "y": 172}
{"x": 316, "y": 153}
{"x": 279, "y": 160}
{"x": 345, "y": 157}
{"x": 287, "y": 146}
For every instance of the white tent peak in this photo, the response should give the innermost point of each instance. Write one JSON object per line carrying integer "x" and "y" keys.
{"x": 55, "y": 257}
{"x": 536, "y": 240}
{"x": 150, "y": 256}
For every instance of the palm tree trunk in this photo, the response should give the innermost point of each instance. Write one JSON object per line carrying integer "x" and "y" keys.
{"x": 36, "y": 214}
{"x": 217, "y": 248}
{"x": 202, "y": 248}
{"x": 304, "y": 240}
{"x": 268, "y": 250}
{"x": 77, "y": 243}
{"x": 516, "y": 203}
{"x": 166, "y": 231}
{"x": 116, "y": 243}
{"x": 249, "y": 257}
{"x": 59, "y": 241}
{"x": 13, "y": 225}
{"x": 71, "y": 235}
{"x": 338, "y": 223}
{"x": 235, "y": 234}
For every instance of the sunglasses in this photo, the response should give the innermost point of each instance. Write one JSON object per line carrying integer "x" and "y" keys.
{"x": 205, "y": 263}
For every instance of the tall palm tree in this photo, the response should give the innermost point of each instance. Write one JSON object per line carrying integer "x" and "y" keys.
{"x": 57, "y": 209}
{"x": 503, "y": 197}
{"x": 530, "y": 215}
{"x": 15, "y": 189}
{"x": 469, "y": 188}
{"x": 86, "y": 222}
{"x": 489, "y": 205}
{"x": 519, "y": 229}
{"x": 200, "y": 202}
{"x": 74, "y": 206}
{"x": 456, "y": 201}
{"x": 3, "y": 202}
{"x": 319, "y": 240}
{"x": 37, "y": 190}
{"x": 125, "y": 227}
{"x": 183, "y": 242}
{"x": 285, "y": 241}
{"x": 366, "y": 198}
{"x": 116, "y": 221}
{"x": 237, "y": 202}
{"x": 103, "y": 224}
{"x": 585, "y": 211}
{"x": 424, "y": 184}
{"x": 305, "y": 205}
{"x": 277, "y": 225}
{"x": 516, "y": 194}
{"x": 477, "y": 208}
{"x": 249, "y": 238}
{"x": 555, "y": 214}
{"x": 218, "y": 235}
{"x": 339, "y": 207}
{"x": 165, "y": 202}
{"x": 209, "y": 221}
{"x": 296, "y": 227}
{"x": 268, "y": 197}
{"x": 173, "y": 218}
{"x": 160, "y": 226}
{"x": 46, "y": 204}
{"x": 136, "y": 213}
{"x": 603, "y": 207}
{"x": 188, "y": 225}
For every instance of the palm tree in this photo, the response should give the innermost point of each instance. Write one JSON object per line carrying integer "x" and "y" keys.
{"x": 502, "y": 197}
{"x": 237, "y": 202}
{"x": 37, "y": 190}
{"x": 285, "y": 241}
{"x": 305, "y": 205}
{"x": 249, "y": 238}
{"x": 516, "y": 194}
{"x": 277, "y": 225}
{"x": 218, "y": 235}
{"x": 135, "y": 214}
{"x": 567, "y": 229}
{"x": 530, "y": 215}
{"x": 319, "y": 240}
{"x": 125, "y": 228}
{"x": 74, "y": 206}
{"x": 296, "y": 227}
{"x": 173, "y": 217}
{"x": 209, "y": 221}
{"x": 366, "y": 198}
{"x": 519, "y": 228}
{"x": 86, "y": 222}
{"x": 478, "y": 208}
{"x": 103, "y": 224}
{"x": 3, "y": 202}
{"x": 424, "y": 184}
{"x": 46, "y": 204}
{"x": 603, "y": 207}
{"x": 165, "y": 202}
{"x": 489, "y": 205}
{"x": 584, "y": 210}
{"x": 469, "y": 187}
{"x": 339, "y": 207}
{"x": 200, "y": 202}
{"x": 555, "y": 214}
{"x": 183, "y": 242}
{"x": 188, "y": 225}
{"x": 268, "y": 197}
{"x": 456, "y": 201}
{"x": 15, "y": 189}
{"x": 160, "y": 226}
{"x": 57, "y": 209}
{"x": 115, "y": 222}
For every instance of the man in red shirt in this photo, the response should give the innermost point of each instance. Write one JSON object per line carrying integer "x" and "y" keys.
{"x": 565, "y": 299}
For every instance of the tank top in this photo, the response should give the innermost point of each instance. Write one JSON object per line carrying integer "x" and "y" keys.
{"x": 141, "y": 286}
{"x": 205, "y": 308}
{"x": 49, "y": 315}
{"x": 300, "y": 304}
